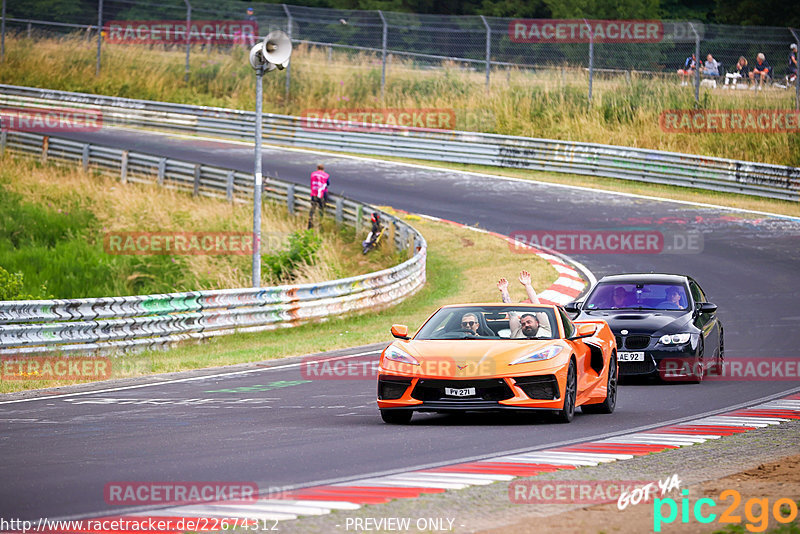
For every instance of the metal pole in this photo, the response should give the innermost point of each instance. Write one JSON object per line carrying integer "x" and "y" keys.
{"x": 3, "y": 33}
{"x": 383, "y": 46}
{"x": 696, "y": 66}
{"x": 258, "y": 181}
{"x": 188, "y": 37}
{"x": 488, "y": 49}
{"x": 99, "y": 35}
{"x": 289, "y": 66}
{"x": 591, "y": 58}
{"x": 797, "y": 75}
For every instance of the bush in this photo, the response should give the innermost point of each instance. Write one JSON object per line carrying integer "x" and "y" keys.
{"x": 12, "y": 285}
{"x": 302, "y": 249}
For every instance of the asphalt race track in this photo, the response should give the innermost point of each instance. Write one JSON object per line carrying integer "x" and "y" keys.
{"x": 274, "y": 427}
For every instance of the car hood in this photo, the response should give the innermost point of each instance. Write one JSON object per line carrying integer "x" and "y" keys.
{"x": 471, "y": 357}
{"x": 642, "y": 321}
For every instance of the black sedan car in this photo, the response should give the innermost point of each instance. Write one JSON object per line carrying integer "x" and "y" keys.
{"x": 663, "y": 323}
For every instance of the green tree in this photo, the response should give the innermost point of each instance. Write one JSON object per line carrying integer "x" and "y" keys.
{"x": 604, "y": 9}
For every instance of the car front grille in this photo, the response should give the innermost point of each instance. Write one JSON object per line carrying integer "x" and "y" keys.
{"x": 493, "y": 389}
{"x": 542, "y": 387}
{"x": 637, "y": 342}
{"x": 637, "y": 368}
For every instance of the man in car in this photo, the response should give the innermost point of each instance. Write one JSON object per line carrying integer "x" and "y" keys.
{"x": 673, "y": 301}
{"x": 469, "y": 323}
{"x": 529, "y": 325}
{"x": 620, "y": 298}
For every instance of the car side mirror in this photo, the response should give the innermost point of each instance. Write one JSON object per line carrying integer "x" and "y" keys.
{"x": 584, "y": 330}
{"x": 572, "y": 307}
{"x": 707, "y": 307}
{"x": 400, "y": 331}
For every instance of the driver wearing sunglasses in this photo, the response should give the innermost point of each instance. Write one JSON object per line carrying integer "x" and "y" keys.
{"x": 469, "y": 322}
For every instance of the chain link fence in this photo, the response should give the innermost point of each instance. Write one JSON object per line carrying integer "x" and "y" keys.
{"x": 578, "y": 51}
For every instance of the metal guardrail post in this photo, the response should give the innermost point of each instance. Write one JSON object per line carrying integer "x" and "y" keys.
{"x": 3, "y": 141}
{"x": 697, "y": 65}
{"x": 99, "y": 35}
{"x": 797, "y": 74}
{"x": 383, "y": 53}
{"x": 229, "y": 186}
{"x": 45, "y": 147}
{"x": 162, "y": 168}
{"x": 288, "y": 68}
{"x": 488, "y": 50}
{"x": 290, "y": 198}
{"x": 196, "y": 185}
{"x": 123, "y": 167}
{"x": 339, "y": 210}
{"x": 359, "y": 216}
{"x": 188, "y": 37}
{"x": 85, "y": 158}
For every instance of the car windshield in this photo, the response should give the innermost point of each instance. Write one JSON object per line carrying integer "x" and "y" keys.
{"x": 616, "y": 296}
{"x": 491, "y": 322}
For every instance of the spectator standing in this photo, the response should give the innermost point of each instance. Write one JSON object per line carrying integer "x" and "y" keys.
{"x": 319, "y": 191}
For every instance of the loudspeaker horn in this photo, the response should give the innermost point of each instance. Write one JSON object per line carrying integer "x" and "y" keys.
{"x": 277, "y": 48}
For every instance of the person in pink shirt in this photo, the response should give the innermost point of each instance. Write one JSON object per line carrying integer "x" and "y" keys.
{"x": 319, "y": 191}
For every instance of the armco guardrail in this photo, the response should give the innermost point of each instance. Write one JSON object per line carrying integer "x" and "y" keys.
{"x": 80, "y": 325}
{"x": 718, "y": 174}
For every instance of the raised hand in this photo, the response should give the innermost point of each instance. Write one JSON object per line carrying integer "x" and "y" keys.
{"x": 502, "y": 284}
{"x": 525, "y": 278}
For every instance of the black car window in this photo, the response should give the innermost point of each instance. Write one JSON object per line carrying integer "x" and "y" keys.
{"x": 637, "y": 296}
{"x": 569, "y": 328}
{"x": 697, "y": 293}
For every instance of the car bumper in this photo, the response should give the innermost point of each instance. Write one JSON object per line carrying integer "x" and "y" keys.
{"x": 664, "y": 363}
{"x": 530, "y": 392}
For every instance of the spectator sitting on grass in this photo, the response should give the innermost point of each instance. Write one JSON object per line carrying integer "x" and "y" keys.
{"x": 688, "y": 69}
{"x": 741, "y": 70}
{"x": 761, "y": 70}
{"x": 711, "y": 66}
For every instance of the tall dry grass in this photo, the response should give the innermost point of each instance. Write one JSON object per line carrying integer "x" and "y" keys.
{"x": 116, "y": 207}
{"x": 547, "y": 103}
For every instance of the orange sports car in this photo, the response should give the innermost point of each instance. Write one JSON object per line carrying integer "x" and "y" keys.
{"x": 499, "y": 357}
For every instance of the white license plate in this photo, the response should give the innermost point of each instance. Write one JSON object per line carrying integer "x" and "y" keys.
{"x": 456, "y": 392}
{"x": 630, "y": 356}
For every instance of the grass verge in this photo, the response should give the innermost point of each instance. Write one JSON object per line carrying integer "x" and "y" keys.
{"x": 463, "y": 266}
{"x": 54, "y": 220}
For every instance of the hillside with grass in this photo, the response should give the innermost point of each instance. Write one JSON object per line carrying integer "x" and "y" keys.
{"x": 54, "y": 222}
{"x": 547, "y": 103}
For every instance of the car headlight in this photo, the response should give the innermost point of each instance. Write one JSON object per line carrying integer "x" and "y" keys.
{"x": 674, "y": 339}
{"x": 542, "y": 354}
{"x": 398, "y": 355}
